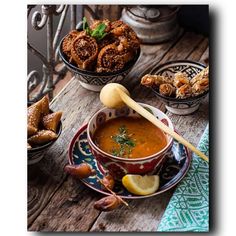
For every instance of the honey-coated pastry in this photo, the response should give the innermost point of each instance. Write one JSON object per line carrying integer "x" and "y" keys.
{"x": 123, "y": 31}
{"x": 116, "y": 24}
{"x": 45, "y": 105}
{"x": 109, "y": 59}
{"x": 34, "y": 116}
{"x": 31, "y": 130}
{"x": 204, "y": 74}
{"x": 180, "y": 79}
{"x": 167, "y": 90}
{"x": 42, "y": 137}
{"x": 200, "y": 86}
{"x": 52, "y": 120}
{"x": 108, "y": 39}
{"x": 67, "y": 42}
{"x": 184, "y": 91}
{"x": 150, "y": 80}
{"x": 84, "y": 51}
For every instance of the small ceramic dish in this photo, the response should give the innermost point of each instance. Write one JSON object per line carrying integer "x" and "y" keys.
{"x": 119, "y": 166}
{"x": 35, "y": 153}
{"x": 92, "y": 80}
{"x": 171, "y": 172}
{"x": 175, "y": 105}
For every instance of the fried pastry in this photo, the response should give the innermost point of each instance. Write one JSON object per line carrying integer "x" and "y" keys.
{"x": 67, "y": 42}
{"x": 31, "y": 130}
{"x": 125, "y": 32}
{"x": 108, "y": 39}
{"x": 109, "y": 59}
{"x": 200, "y": 86}
{"x": 34, "y": 115}
{"x": 150, "y": 80}
{"x": 84, "y": 51}
{"x": 184, "y": 91}
{"x": 167, "y": 90}
{"x": 116, "y": 24}
{"x": 51, "y": 121}
{"x": 45, "y": 105}
{"x": 180, "y": 79}
{"x": 83, "y": 48}
{"x": 42, "y": 137}
{"x": 204, "y": 74}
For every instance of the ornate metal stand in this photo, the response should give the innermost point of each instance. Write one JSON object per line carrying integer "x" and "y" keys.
{"x": 51, "y": 75}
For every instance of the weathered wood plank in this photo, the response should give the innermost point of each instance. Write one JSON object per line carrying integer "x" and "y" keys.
{"x": 205, "y": 57}
{"x": 184, "y": 47}
{"x": 71, "y": 209}
{"x": 199, "y": 51}
{"x": 142, "y": 215}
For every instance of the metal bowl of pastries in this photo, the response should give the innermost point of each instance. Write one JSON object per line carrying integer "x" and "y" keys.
{"x": 181, "y": 85}
{"x": 44, "y": 126}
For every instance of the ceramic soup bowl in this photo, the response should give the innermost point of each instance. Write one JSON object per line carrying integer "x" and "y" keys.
{"x": 120, "y": 166}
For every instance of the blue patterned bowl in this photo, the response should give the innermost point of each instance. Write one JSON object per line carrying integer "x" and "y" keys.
{"x": 94, "y": 81}
{"x": 175, "y": 105}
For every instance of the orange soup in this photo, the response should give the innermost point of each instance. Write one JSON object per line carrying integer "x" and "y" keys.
{"x": 129, "y": 137}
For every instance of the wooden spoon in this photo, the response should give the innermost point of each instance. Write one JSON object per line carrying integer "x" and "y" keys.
{"x": 115, "y": 95}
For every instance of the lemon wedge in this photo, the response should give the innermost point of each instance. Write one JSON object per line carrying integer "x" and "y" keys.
{"x": 141, "y": 185}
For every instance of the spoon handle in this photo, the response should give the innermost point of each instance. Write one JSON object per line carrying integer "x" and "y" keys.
{"x": 143, "y": 112}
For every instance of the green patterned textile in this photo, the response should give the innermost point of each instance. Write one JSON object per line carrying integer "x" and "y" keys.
{"x": 188, "y": 209}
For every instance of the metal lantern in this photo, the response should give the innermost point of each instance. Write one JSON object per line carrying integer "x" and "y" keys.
{"x": 153, "y": 24}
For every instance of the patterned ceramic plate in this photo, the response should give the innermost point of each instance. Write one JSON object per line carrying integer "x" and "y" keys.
{"x": 171, "y": 173}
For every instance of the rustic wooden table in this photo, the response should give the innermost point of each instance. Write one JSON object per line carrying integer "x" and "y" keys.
{"x": 50, "y": 189}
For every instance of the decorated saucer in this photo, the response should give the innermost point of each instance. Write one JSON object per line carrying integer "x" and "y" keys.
{"x": 171, "y": 173}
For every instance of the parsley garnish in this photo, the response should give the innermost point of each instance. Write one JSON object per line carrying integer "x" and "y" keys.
{"x": 125, "y": 142}
{"x": 98, "y": 33}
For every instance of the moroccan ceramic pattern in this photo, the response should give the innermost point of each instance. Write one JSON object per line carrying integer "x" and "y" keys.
{"x": 102, "y": 80}
{"x": 174, "y": 105}
{"x": 171, "y": 171}
{"x": 117, "y": 166}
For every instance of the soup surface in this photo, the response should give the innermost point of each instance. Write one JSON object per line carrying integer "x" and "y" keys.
{"x": 129, "y": 137}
